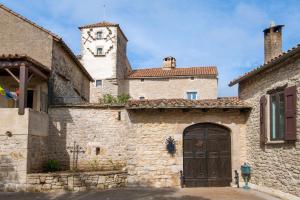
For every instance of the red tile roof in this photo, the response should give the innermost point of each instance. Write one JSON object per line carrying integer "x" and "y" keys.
{"x": 99, "y": 24}
{"x": 222, "y": 102}
{"x": 103, "y": 24}
{"x": 159, "y": 72}
{"x": 55, "y": 37}
{"x": 280, "y": 58}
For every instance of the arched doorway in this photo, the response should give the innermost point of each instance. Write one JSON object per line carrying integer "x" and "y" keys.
{"x": 206, "y": 156}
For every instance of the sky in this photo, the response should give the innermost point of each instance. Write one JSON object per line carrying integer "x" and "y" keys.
{"x": 223, "y": 33}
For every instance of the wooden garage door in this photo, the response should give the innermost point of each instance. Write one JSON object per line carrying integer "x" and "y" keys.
{"x": 206, "y": 156}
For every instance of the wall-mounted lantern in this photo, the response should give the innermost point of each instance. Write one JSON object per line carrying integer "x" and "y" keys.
{"x": 170, "y": 145}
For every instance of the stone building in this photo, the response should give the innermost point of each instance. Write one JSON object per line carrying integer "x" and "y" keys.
{"x": 103, "y": 53}
{"x": 175, "y": 131}
{"x": 273, "y": 126}
{"x": 39, "y": 66}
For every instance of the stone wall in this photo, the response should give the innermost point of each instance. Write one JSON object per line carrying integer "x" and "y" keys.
{"x": 275, "y": 166}
{"x": 13, "y": 149}
{"x": 19, "y": 37}
{"x": 136, "y": 141}
{"x": 91, "y": 128}
{"x": 38, "y": 126}
{"x": 168, "y": 88}
{"x": 149, "y": 163}
{"x": 24, "y": 149}
{"x": 68, "y": 82}
{"x": 109, "y": 86}
{"x": 75, "y": 181}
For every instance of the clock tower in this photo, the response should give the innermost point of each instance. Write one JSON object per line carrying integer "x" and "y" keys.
{"x": 103, "y": 53}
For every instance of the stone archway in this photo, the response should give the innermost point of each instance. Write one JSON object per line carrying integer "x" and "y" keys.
{"x": 206, "y": 156}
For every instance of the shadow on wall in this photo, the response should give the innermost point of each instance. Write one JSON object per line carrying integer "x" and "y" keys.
{"x": 8, "y": 173}
{"x": 57, "y": 139}
{"x": 114, "y": 194}
{"x": 186, "y": 116}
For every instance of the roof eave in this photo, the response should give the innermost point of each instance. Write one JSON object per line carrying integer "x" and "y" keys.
{"x": 185, "y": 76}
{"x": 280, "y": 59}
{"x": 186, "y": 107}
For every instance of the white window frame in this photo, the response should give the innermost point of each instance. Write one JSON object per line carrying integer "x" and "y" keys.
{"x": 268, "y": 122}
{"x": 191, "y": 91}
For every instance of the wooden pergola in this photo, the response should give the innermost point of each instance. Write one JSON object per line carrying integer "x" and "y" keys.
{"x": 22, "y": 68}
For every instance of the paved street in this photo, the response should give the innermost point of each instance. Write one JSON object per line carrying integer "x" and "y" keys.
{"x": 147, "y": 194}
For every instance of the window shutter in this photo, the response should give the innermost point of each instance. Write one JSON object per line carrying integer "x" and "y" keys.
{"x": 263, "y": 134}
{"x": 290, "y": 97}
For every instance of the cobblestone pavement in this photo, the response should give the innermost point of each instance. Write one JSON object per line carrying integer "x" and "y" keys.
{"x": 147, "y": 194}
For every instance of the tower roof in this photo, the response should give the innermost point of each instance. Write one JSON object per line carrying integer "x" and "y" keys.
{"x": 103, "y": 24}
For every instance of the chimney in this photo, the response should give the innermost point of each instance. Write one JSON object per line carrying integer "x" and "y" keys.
{"x": 273, "y": 41}
{"x": 169, "y": 63}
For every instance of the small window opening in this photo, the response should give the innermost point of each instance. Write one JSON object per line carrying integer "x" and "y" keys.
{"x": 97, "y": 150}
{"x": 142, "y": 80}
{"x": 99, "y": 35}
{"x": 191, "y": 95}
{"x": 99, "y": 51}
{"x": 192, "y": 78}
{"x": 142, "y": 98}
{"x": 119, "y": 115}
{"x": 98, "y": 83}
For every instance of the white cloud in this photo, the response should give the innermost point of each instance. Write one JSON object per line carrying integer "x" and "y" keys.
{"x": 228, "y": 35}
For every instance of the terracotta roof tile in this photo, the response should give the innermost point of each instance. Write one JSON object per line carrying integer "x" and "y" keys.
{"x": 283, "y": 56}
{"x": 159, "y": 72}
{"x": 103, "y": 24}
{"x": 99, "y": 24}
{"x": 222, "y": 102}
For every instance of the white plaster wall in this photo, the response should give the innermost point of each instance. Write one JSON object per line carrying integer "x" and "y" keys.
{"x": 168, "y": 88}
{"x": 100, "y": 67}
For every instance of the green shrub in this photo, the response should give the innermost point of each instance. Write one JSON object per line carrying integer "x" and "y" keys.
{"x": 51, "y": 166}
{"x": 123, "y": 98}
{"x": 110, "y": 99}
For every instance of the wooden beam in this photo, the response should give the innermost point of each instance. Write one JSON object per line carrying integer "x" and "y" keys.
{"x": 38, "y": 73}
{"x": 8, "y": 71}
{"x": 23, "y": 89}
{"x": 7, "y": 64}
{"x": 30, "y": 77}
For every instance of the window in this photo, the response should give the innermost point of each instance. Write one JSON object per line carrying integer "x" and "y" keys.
{"x": 191, "y": 95}
{"x": 278, "y": 112}
{"x": 142, "y": 98}
{"x": 100, "y": 51}
{"x": 98, "y": 83}
{"x": 142, "y": 80}
{"x": 99, "y": 35}
{"x": 277, "y": 116}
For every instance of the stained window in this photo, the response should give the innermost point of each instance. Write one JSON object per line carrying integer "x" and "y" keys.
{"x": 191, "y": 95}
{"x": 277, "y": 116}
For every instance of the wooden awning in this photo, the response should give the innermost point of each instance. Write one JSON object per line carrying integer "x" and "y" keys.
{"x": 22, "y": 68}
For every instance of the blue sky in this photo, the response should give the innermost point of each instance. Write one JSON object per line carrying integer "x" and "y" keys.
{"x": 227, "y": 34}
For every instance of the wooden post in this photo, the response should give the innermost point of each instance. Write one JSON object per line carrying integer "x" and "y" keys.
{"x": 23, "y": 89}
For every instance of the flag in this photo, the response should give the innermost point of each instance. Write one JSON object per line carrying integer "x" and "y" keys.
{"x": 18, "y": 91}
{"x": 14, "y": 95}
{"x": 8, "y": 94}
{"x": 2, "y": 92}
